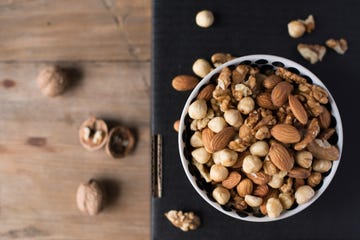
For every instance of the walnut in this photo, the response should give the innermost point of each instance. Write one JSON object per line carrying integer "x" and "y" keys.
{"x": 90, "y": 197}
{"x": 252, "y": 119}
{"x": 52, "y": 81}
{"x": 199, "y": 124}
{"x": 312, "y": 52}
{"x": 224, "y": 80}
{"x": 93, "y": 134}
{"x": 239, "y": 74}
{"x": 238, "y": 145}
{"x": 340, "y": 46}
{"x": 289, "y": 76}
{"x": 288, "y": 186}
{"x": 320, "y": 94}
{"x": 121, "y": 142}
{"x": 184, "y": 220}
{"x": 240, "y": 90}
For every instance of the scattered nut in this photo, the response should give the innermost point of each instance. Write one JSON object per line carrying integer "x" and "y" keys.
{"x": 303, "y": 194}
{"x": 204, "y": 18}
{"x": 184, "y": 220}
{"x": 184, "y": 82}
{"x": 52, "y": 81}
{"x": 220, "y": 58}
{"x": 93, "y": 134}
{"x": 312, "y": 52}
{"x": 296, "y": 29}
{"x": 221, "y": 195}
{"x": 176, "y": 125}
{"x": 201, "y": 67}
{"x": 340, "y": 46}
{"x": 89, "y": 197}
{"x": 121, "y": 142}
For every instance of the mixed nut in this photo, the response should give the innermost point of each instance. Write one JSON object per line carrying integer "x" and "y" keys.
{"x": 261, "y": 138}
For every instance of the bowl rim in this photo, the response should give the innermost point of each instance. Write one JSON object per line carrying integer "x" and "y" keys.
{"x": 334, "y": 112}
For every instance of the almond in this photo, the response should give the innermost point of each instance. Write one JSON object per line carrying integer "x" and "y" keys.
{"x": 261, "y": 190}
{"x": 184, "y": 82}
{"x": 299, "y": 172}
{"x": 271, "y": 81}
{"x": 280, "y": 93}
{"x": 325, "y": 118}
{"x": 232, "y": 180}
{"x": 298, "y": 109}
{"x": 207, "y": 92}
{"x": 245, "y": 187}
{"x": 206, "y": 137}
{"x": 264, "y": 100}
{"x": 286, "y": 133}
{"x": 280, "y": 156}
{"x": 259, "y": 178}
{"x": 222, "y": 139}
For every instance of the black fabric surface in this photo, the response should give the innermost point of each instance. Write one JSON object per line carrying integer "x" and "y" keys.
{"x": 255, "y": 27}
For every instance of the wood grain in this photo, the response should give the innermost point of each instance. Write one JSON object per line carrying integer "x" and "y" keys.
{"x": 105, "y": 48}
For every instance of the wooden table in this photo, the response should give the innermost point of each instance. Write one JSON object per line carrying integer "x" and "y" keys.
{"x": 106, "y": 46}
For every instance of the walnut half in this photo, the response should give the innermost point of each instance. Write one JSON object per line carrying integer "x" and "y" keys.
{"x": 184, "y": 220}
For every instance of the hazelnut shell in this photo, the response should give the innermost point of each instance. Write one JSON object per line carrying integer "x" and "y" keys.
{"x": 120, "y": 143}
{"x": 94, "y": 124}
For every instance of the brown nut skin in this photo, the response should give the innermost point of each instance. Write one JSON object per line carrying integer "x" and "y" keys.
{"x": 52, "y": 81}
{"x": 90, "y": 197}
{"x": 94, "y": 125}
{"x": 121, "y": 142}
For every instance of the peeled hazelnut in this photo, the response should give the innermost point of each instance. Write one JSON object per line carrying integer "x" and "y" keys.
{"x": 201, "y": 67}
{"x": 196, "y": 140}
{"x": 286, "y": 200}
{"x": 121, "y": 142}
{"x": 198, "y": 109}
{"x": 303, "y": 194}
{"x": 276, "y": 181}
{"x": 51, "y": 81}
{"x": 218, "y": 172}
{"x": 201, "y": 155}
{"x": 93, "y": 134}
{"x": 252, "y": 164}
{"x": 89, "y": 197}
{"x": 304, "y": 158}
{"x": 253, "y": 201}
{"x": 246, "y": 105}
{"x": 296, "y": 29}
{"x": 274, "y": 207}
{"x": 233, "y": 117}
{"x": 217, "y": 124}
{"x": 204, "y": 18}
{"x": 259, "y": 148}
{"x": 225, "y": 157}
{"x": 221, "y": 195}
{"x": 321, "y": 166}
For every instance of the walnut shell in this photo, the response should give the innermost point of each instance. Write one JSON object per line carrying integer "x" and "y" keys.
{"x": 93, "y": 134}
{"x": 120, "y": 143}
{"x": 90, "y": 197}
{"x": 52, "y": 81}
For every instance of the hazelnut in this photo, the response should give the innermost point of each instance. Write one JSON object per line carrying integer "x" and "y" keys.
{"x": 246, "y": 105}
{"x": 218, "y": 172}
{"x": 201, "y": 155}
{"x": 204, "y": 18}
{"x": 253, "y": 201}
{"x": 304, "y": 158}
{"x": 296, "y": 29}
{"x": 233, "y": 118}
{"x": 321, "y": 166}
{"x": 314, "y": 179}
{"x": 221, "y": 195}
{"x": 93, "y": 134}
{"x": 259, "y": 148}
{"x": 225, "y": 157}
{"x": 262, "y": 133}
{"x": 89, "y": 197}
{"x": 252, "y": 164}
{"x": 201, "y": 67}
{"x": 52, "y": 81}
{"x": 303, "y": 194}
{"x": 121, "y": 142}
{"x": 198, "y": 109}
{"x": 196, "y": 139}
{"x": 217, "y": 124}
{"x": 273, "y": 207}
{"x": 276, "y": 181}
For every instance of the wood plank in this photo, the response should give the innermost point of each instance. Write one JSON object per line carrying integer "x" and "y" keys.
{"x": 100, "y": 30}
{"x": 38, "y": 179}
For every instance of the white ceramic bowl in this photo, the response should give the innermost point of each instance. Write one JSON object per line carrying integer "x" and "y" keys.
{"x": 203, "y": 188}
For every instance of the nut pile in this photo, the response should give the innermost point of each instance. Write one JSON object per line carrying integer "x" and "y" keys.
{"x": 261, "y": 139}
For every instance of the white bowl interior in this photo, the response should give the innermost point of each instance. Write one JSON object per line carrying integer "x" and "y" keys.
{"x": 261, "y": 61}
